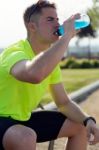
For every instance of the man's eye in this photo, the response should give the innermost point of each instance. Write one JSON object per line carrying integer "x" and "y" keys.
{"x": 50, "y": 19}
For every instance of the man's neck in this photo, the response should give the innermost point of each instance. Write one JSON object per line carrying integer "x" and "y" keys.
{"x": 38, "y": 47}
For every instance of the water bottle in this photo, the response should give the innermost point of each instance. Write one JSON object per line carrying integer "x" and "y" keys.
{"x": 84, "y": 21}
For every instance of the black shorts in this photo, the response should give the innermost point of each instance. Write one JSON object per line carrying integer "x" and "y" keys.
{"x": 46, "y": 124}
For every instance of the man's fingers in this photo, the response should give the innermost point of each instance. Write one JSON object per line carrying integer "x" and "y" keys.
{"x": 91, "y": 138}
{"x": 76, "y": 16}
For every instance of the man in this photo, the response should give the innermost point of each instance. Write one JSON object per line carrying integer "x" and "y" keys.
{"x": 27, "y": 68}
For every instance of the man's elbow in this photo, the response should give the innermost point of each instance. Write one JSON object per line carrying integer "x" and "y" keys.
{"x": 35, "y": 78}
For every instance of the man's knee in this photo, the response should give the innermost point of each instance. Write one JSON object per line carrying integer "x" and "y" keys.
{"x": 19, "y": 135}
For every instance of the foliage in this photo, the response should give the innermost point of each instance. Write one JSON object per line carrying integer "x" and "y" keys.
{"x": 82, "y": 63}
{"x": 87, "y": 32}
{"x": 94, "y": 14}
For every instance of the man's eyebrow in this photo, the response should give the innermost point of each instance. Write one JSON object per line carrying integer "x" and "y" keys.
{"x": 50, "y": 17}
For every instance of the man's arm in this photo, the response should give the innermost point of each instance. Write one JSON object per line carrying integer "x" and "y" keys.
{"x": 74, "y": 112}
{"x": 34, "y": 71}
{"x": 65, "y": 105}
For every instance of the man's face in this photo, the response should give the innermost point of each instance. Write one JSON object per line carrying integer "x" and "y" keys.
{"x": 47, "y": 25}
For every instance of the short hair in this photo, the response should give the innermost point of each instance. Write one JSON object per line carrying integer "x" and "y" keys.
{"x": 36, "y": 9}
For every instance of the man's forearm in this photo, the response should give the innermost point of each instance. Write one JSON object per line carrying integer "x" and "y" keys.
{"x": 46, "y": 61}
{"x": 73, "y": 112}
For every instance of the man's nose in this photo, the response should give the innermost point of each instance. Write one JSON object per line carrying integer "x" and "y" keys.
{"x": 57, "y": 24}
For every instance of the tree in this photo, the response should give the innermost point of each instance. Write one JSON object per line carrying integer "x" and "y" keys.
{"x": 88, "y": 31}
{"x": 94, "y": 14}
{"x": 91, "y": 30}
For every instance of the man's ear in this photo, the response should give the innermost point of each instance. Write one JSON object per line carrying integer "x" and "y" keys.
{"x": 31, "y": 26}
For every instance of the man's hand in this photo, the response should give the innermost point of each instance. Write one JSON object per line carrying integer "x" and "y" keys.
{"x": 69, "y": 25}
{"x": 92, "y": 132}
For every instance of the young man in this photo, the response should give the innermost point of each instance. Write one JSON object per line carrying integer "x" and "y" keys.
{"x": 27, "y": 68}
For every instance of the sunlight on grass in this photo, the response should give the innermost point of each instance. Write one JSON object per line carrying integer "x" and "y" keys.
{"x": 74, "y": 79}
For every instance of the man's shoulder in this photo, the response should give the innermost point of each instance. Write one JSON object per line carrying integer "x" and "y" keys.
{"x": 16, "y": 45}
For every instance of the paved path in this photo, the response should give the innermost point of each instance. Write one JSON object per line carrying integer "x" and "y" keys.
{"x": 91, "y": 106}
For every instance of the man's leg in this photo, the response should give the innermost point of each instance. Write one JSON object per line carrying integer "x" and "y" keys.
{"x": 50, "y": 125}
{"x": 76, "y": 133}
{"x": 19, "y": 137}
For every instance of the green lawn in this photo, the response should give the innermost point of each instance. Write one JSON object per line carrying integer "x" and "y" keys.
{"x": 74, "y": 79}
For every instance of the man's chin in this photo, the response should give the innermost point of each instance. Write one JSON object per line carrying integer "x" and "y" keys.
{"x": 55, "y": 39}
{"x": 52, "y": 40}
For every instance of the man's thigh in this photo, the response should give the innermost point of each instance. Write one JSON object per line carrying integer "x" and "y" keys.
{"x": 46, "y": 124}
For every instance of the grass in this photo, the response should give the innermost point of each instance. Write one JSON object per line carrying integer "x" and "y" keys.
{"x": 74, "y": 79}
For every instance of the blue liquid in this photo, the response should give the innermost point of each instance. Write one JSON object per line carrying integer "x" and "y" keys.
{"x": 78, "y": 25}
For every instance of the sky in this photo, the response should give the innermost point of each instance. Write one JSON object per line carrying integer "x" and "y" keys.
{"x": 12, "y": 27}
